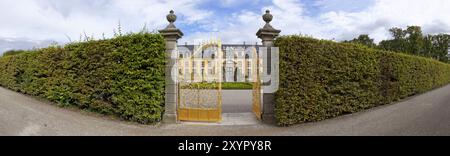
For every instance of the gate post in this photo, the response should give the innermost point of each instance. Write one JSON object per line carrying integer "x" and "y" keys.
{"x": 268, "y": 34}
{"x": 171, "y": 35}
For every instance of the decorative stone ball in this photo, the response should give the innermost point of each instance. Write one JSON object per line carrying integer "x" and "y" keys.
{"x": 171, "y": 17}
{"x": 267, "y": 17}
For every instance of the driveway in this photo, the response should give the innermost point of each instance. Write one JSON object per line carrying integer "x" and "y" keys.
{"x": 426, "y": 114}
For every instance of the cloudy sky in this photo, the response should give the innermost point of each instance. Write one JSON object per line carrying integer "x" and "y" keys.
{"x": 35, "y": 23}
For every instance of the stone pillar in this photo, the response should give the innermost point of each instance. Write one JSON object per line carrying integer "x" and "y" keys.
{"x": 268, "y": 34}
{"x": 171, "y": 35}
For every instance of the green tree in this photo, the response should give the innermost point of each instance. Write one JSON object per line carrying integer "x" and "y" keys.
{"x": 440, "y": 45}
{"x": 428, "y": 45}
{"x": 363, "y": 39}
{"x": 414, "y": 40}
{"x": 411, "y": 41}
{"x": 397, "y": 33}
{"x": 398, "y": 44}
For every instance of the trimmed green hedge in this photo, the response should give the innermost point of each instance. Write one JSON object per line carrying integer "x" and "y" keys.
{"x": 323, "y": 79}
{"x": 237, "y": 85}
{"x": 123, "y": 76}
{"x": 13, "y": 52}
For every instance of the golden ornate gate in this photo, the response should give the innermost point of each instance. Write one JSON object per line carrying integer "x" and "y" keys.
{"x": 256, "y": 78}
{"x": 199, "y": 84}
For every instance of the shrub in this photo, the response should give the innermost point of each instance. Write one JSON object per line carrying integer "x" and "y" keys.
{"x": 123, "y": 76}
{"x": 323, "y": 79}
{"x": 13, "y": 52}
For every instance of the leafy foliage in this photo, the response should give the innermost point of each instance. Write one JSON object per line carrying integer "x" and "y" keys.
{"x": 13, "y": 52}
{"x": 123, "y": 76}
{"x": 364, "y": 40}
{"x": 322, "y": 79}
{"x": 413, "y": 41}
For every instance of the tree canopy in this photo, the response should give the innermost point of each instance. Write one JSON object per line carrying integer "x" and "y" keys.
{"x": 411, "y": 41}
{"x": 363, "y": 39}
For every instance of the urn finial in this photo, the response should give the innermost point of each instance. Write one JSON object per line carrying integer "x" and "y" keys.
{"x": 267, "y": 32}
{"x": 267, "y": 17}
{"x": 171, "y": 17}
{"x": 171, "y": 33}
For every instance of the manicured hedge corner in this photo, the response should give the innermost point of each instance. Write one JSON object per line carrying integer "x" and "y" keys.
{"x": 123, "y": 76}
{"x": 323, "y": 79}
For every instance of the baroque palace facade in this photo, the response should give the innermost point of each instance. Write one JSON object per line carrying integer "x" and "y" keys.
{"x": 236, "y": 63}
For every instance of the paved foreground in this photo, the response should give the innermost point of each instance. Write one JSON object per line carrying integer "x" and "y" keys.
{"x": 427, "y": 114}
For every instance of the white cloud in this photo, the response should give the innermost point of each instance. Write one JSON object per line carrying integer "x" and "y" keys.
{"x": 342, "y": 5}
{"x": 336, "y": 19}
{"x": 432, "y": 15}
{"x": 242, "y": 26}
{"x": 289, "y": 16}
{"x": 10, "y": 44}
{"x": 341, "y": 23}
{"x": 54, "y": 19}
{"x": 238, "y": 28}
{"x": 235, "y": 3}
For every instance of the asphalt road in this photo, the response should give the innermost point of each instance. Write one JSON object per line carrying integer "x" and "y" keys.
{"x": 233, "y": 101}
{"x": 236, "y": 101}
{"x": 426, "y": 114}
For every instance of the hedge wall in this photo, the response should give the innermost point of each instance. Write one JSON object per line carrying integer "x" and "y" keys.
{"x": 323, "y": 79}
{"x": 123, "y": 76}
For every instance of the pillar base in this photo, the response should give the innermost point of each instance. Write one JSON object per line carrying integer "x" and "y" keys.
{"x": 269, "y": 119}
{"x": 268, "y": 108}
{"x": 169, "y": 119}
